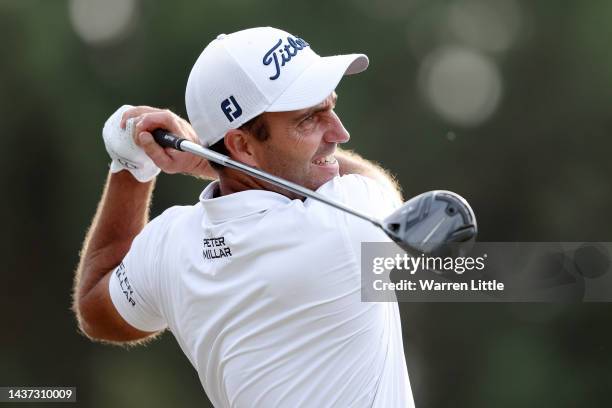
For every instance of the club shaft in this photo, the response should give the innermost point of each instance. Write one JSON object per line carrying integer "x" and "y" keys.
{"x": 223, "y": 160}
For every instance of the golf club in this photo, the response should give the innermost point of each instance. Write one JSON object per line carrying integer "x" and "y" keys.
{"x": 428, "y": 223}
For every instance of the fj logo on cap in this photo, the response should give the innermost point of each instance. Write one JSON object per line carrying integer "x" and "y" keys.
{"x": 290, "y": 50}
{"x": 231, "y": 109}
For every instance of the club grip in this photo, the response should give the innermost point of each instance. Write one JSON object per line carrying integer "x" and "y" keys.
{"x": 167, "y": 139}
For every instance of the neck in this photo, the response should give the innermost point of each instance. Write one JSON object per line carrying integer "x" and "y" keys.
{"x": 233, "y": 181}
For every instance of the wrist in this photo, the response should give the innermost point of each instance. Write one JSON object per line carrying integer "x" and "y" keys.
{"x": 125, "y": 180}
{"x": 142, "y": 174}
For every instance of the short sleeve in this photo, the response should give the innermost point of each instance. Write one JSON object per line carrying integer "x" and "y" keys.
{"x": 135, "y": 284}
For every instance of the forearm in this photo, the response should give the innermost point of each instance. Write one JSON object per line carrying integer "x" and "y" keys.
{"x": 352, "y": 163}
{"x": 122, "y": 213}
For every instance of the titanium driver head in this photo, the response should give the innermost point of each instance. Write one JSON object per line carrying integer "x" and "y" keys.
{"x": 439, "y": 223}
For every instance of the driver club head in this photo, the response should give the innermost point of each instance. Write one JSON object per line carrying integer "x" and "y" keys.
{"x": 438, "y": 223}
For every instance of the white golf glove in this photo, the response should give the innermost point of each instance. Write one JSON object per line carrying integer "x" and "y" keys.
{"x": 122, "y": 148}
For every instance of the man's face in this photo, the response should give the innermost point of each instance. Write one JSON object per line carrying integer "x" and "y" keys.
{"x": 301, "y": 144}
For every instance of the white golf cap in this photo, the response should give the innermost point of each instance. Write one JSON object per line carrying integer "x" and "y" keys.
{"x": 241, "y": 75}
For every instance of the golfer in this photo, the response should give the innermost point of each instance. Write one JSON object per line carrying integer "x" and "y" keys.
{"x": 260, "y": 288}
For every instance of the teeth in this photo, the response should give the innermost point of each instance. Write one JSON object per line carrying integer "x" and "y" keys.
{"x": 325, "y": 160}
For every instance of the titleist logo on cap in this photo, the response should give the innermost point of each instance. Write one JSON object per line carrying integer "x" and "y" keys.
{"x": 290, "y": 50}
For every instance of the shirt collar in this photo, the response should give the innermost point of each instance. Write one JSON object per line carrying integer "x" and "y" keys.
{"x": 238, "y": 204}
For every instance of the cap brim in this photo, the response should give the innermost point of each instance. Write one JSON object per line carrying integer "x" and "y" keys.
{"x": 318, "y": 81}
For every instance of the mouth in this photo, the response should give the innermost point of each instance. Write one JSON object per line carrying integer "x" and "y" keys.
{"x": 325, "y": 161}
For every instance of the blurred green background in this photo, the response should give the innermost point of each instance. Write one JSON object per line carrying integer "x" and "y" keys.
{"x": 507, "y": 102}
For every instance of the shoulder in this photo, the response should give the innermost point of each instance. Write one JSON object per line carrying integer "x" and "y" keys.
{"x": 160, "y": 230}
{"x": 362, "y": 192}
{"x": 354, "y": 184}
{"x": 175, "y": 213}
{"x": 173, "y": 216}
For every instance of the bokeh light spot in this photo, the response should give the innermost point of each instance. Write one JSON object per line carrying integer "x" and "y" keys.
{"x": 461, "y": 85}
{"x": 101, "y": 21}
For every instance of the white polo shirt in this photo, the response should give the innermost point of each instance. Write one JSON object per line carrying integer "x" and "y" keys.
{"x": 263, "y": 296}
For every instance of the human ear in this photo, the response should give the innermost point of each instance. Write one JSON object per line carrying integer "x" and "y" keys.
{"x": 240, "y": 146}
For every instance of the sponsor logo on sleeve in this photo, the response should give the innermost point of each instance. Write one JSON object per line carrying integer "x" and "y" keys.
{"x": 125, "y": 285}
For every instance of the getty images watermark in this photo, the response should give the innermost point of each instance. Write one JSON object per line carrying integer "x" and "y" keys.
{"x": 441, "y": 265}
{"x": 490, "y": 272}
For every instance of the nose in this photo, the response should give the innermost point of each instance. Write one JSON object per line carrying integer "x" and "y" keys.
{"x": 336, "y": 133}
